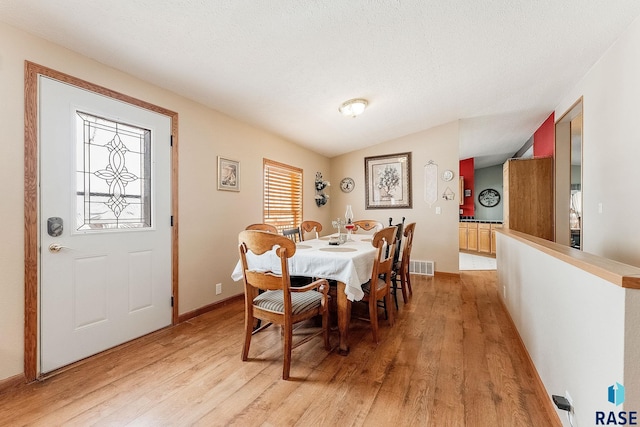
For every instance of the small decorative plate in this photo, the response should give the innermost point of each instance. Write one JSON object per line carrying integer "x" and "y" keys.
{"x": 447, "y": 175}
{"x": 489, "y": 197}
{"x": 347, "y": 184}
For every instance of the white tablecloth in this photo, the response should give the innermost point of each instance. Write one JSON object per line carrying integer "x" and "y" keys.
{"x": 350, "y": 262}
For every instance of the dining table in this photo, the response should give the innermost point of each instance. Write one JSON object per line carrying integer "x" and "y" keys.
{"x": 350, "y": 264}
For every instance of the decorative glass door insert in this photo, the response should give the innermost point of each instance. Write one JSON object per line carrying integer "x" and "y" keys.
{"x": 113, "y": 174}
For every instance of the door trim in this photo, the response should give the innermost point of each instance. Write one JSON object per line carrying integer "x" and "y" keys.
{"x": 31, "y": 206}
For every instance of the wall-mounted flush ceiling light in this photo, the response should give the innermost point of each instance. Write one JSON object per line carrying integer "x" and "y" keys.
{"x": 353, "y": 107}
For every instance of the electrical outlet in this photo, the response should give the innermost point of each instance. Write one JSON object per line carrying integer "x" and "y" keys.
{"x": 438, "y": 210}
{"x": 568, "y": 396}
{"x": 218, "y": 288}
{"x": 572, "y": 413}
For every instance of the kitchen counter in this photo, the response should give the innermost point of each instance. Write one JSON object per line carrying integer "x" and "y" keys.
{"x": 483, "y": 221}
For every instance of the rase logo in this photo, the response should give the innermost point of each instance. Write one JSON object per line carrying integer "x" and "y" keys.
{"x": 615, "y": 395}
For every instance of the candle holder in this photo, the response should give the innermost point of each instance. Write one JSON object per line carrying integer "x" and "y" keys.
{"x": 349, "y": 226}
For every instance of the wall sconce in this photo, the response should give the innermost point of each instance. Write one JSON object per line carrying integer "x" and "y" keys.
{"x": 321, "y": 197}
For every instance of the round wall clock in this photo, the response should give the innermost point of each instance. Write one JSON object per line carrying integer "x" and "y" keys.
{"x": 489, "y": 197}
{"x": 347, "y": 184}
{"x": 447, "y": 175}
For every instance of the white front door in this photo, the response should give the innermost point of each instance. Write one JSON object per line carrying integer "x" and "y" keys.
{"x": 105, "y": 222}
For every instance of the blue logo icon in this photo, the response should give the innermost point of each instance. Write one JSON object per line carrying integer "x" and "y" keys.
{"x": 616, "y": 394}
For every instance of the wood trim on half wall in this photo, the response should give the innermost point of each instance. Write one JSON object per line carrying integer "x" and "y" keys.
{"x": 32, "y": 71}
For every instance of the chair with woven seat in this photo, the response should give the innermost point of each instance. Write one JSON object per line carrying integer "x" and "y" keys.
{"x": 263, "y": 227}
{"x": 309, "y": 227}
{"x": 367, "y": 225}
{"x": 401, "y": 267}
{"x": 279, "y": 303}
{"x": 293, "y": 233}
{"x": 379, "y": 286}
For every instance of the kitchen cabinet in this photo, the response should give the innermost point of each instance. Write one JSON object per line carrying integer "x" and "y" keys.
{"x": 463, "y": 231}
{"x": 528, "y": 196}
{"x": 484, "y": 238}
{"x": 494, "y": 227}
{"x": 472, "y": 236}
{"x": 477, "y": 236}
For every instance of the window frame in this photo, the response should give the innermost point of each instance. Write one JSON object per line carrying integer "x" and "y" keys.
{"x": 93, "y": 162}
{"x": 287, "y": 182}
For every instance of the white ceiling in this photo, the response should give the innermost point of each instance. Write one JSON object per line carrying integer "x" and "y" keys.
{"x": 498, "y": 66}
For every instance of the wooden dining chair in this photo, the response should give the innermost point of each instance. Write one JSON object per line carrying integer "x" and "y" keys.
{"x": 396, "y": 255}
{"x": 264, "y": 227}
{"x": 367, "y": 225}
{"x": 401, "y": 268}
{"x": 293, "y": 233}
{"x": 279, "y": 303}
{"x": 379, "y": 286}
{"x": 310, "y": 226}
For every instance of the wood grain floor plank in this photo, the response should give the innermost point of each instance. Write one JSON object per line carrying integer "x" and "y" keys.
{"x": 451, "y": 359}
{"x": 478, "y": 388}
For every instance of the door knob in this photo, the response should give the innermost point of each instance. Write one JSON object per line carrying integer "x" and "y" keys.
{"x": 54, "y": 247}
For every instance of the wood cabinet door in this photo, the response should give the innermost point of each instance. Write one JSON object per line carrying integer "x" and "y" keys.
{"x": 528, "y": 196}
{"x": 472, "y": 237}
{"x": 494, "y": 227}
{"x": 462, "y": 236}
{"x": 484, "y": 238}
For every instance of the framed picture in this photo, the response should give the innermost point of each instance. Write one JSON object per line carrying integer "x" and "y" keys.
{"x": 388, "y": 181}
{"x": 228, "y": 174}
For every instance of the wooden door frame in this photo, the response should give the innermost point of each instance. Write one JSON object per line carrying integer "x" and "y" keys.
{"x": 562, "y": 172}
{"x": 31, "y": 197}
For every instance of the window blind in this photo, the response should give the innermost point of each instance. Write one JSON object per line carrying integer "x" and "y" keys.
{"x": 282, "y": 195}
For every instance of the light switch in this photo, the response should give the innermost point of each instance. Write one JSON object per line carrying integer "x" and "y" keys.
{"x": 438, "y": 210}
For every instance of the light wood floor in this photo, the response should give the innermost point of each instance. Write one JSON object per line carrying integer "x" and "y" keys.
{"x": 452, "y": 359}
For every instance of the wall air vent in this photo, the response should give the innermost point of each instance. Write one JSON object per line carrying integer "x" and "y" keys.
{"x": 425, "y": 268}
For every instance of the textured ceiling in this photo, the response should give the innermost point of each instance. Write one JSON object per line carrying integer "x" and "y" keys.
{"x": 498, "y": 66}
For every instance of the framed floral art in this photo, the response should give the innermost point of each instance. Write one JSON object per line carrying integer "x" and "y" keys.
{"x": 388, "y": 181}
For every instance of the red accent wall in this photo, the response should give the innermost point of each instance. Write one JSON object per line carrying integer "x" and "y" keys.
{"x": 544, "y": 139}
{"x": 467, "y": 171}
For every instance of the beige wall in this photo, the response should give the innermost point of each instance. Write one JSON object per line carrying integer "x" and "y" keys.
{"x": 436, "y": 235}
{"x": 611, "y": 149}
{"x": 209, "y": 219}
{"x": 540, "y": 292}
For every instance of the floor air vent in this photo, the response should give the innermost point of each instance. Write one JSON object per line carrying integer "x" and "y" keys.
{"x": 421, "y": 267}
